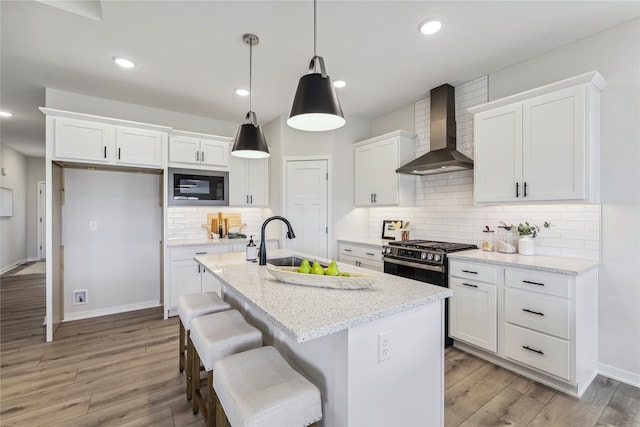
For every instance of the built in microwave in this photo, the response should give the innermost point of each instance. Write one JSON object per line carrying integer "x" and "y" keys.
{"x": 189, "y": 187}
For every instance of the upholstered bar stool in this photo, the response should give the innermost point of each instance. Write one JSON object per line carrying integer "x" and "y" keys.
{"x": 190, "y": 307}
{"x": 214, "y": 337}
{"x": 258, "y": 388}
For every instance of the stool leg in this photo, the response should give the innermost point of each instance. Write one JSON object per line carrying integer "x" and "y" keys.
{"x": 221, "y": 416}
{"x": 211, "y": 401}
{"x": 190, "y": 353}
{"x": 181, "y": 352}
{"x": 195, "y": 381}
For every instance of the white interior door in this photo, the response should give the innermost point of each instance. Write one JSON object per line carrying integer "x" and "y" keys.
{"x": 307, "y": 205}
{"x": 42, "y": 224}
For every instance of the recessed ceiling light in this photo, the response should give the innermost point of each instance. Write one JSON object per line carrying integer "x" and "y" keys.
{"x": 123, "y": 62}
{"x": 430, "y": 26}
{"x": 339, "y": 83}
{"x": 5, "y": 114}
{"x": 242, "y": 92}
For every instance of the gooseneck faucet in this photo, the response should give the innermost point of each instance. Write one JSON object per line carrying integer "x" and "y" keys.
{"x": 263, "y": 248}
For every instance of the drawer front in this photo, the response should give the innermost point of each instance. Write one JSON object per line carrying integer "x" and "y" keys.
{"x": 543, "y": 352}
{"x": 543, "y": 313}
{"x": 539, "y": 282}
{"x": 361, "y": 252}
{"x": 178, "y": 254}
{"x": 483, "y": 273}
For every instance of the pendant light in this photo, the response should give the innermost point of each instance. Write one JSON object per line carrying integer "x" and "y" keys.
{"x": 316, "y": 106}
{"x": 250, "y": 142}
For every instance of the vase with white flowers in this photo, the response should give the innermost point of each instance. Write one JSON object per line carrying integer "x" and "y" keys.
{"x": 528, "y": 233}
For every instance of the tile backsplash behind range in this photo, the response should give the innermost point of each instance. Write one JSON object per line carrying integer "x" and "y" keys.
{"x": 444, "y": 202}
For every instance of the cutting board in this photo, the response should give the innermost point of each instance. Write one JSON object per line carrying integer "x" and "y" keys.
{"x": 232, "y": 220}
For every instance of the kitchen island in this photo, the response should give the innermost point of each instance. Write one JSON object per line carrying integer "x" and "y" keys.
{"x": 375, "y": 354}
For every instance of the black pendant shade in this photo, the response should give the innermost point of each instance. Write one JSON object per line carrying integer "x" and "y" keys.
{"x": 316, "y": 106}
{"x": 250, "y": 142}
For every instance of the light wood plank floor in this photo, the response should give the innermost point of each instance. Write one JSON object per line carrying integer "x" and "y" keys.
{"x": 122, "y": 370}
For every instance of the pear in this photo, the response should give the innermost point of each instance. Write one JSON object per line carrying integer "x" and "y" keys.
{"x": 332, "y": 270}
{"x": 305, "y": 267}
{"x": 316, "y": 268}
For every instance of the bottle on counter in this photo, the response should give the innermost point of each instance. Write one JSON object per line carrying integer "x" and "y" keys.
{"x": 252, "y": 250}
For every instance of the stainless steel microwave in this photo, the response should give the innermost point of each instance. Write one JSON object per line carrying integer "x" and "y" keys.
{"x": 188, "y": 187}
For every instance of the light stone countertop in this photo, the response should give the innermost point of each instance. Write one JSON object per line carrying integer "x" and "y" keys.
{"x": 304, "y": 312}
{"x": 370, "y": 241}
{"x": 174, "y": 243}
{"x": 550, "y": 264}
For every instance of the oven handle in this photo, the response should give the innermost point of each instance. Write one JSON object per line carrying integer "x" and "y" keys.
{"x": 439, "y": 269}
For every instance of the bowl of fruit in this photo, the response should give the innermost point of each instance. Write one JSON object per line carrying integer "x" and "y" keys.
{"x": 313, "y": 274}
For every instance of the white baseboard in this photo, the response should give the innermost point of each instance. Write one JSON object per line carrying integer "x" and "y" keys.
{"x": 12, "y": 266}
{"x": 619, "y": 374}
{"x": 87, "y": 314}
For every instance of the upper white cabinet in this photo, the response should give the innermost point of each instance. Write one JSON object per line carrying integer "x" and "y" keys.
{"x": 82, "y": 138}
{"x": 248, "y": 182}
{"x": 192, "y": 150}
{"x": 376, "y": 161}
{"x": 541, "y": 145}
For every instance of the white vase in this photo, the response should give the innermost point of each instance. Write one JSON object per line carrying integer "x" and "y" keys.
{"x": 525, "y": 246}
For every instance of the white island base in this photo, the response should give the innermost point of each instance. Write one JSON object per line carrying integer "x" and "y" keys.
{"x": 359, "y": 390}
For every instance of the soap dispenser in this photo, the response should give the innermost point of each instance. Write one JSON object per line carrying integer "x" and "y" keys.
{"x": 252, "y": 250}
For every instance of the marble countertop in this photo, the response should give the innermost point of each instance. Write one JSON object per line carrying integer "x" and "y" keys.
{"x": 174, "y": 243}
{"x": 304, "y": 312}
{"x": 370, "y": 241}
{"x": 550, "y": 264}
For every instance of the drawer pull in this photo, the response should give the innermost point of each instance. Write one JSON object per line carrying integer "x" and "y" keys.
{"x": 533, "y": 312}
{"x": 201, "y": 253}
{"x": 369, "y": 253}
{"x": 532, "y": 283}
{"x": 470, "y": 285}
{"x": 469, "y": 271}
{"x": 526, "y": 347}
{"x": 347, "y": 250}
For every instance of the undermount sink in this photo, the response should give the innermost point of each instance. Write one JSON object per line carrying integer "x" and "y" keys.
{"x": 290, "y": 261}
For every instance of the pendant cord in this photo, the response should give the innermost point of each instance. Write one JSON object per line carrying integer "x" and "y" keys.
{"x": 314, "y": 28}
{"x": 250, "y": 69}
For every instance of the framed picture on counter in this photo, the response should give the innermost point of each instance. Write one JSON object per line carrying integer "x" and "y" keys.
{"x": 389, "y": 228}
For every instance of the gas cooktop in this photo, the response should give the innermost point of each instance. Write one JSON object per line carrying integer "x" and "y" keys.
{"x": 432, "y": 245}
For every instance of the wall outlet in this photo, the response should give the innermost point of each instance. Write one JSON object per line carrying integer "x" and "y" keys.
{"x": 384, "y": 346}
{"x": 346, "y": 218}
{"x": 80, "y": 297}
{"x": 93, "y": 225}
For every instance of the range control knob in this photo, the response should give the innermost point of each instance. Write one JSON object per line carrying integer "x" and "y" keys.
{"x": 423, "y": 255}
{"x": 386, "y": 250}
{"x": 437, "y": 258}
{"x": 430, "y": 256}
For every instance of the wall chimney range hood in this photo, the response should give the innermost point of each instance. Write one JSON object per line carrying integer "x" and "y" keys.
{"x": 443, "y": 156}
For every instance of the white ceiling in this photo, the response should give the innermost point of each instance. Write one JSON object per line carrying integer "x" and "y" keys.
{"x": 191, "y": 55}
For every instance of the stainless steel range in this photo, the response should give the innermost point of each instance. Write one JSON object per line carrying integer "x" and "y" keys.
{"x": 425, "y": 261}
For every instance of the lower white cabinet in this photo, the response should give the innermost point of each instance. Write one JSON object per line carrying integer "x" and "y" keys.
{"x": 365, "y": 256}
{"x": 473, "y": 314}
{"x": 543, "y": 325}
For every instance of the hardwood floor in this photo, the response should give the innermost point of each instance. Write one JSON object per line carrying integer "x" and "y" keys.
{"x": 122, "y": 370}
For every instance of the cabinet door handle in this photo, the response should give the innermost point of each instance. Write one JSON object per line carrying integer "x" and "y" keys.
{"x": 197, "y": 156}
{"x": 526, "y": 347}
{"x": 469, "y": 271}
{"x": 533, "y": 312}
{"x": 470, "y": 285}
{"x": 119, "y": 152}
{"x": 202, "y": 157}
{"x": 347, "y": 250}
{"x": 247, "y": 199}
{"x": 525, "y": 190}
{"x": 199, "y": 268}
{"x": 375, "y": 198}
{"x": 371, "y": 197}
{"x": 533, "y": 283}
{"x": 369, "y": 253}
{"x": 105, "y": 151}
{"x": 517, "y": 189}
{"x": 251, "y": 198}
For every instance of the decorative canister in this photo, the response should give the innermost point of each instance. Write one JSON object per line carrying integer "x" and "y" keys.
{"x": 507, "y": 241}
{"x": 526, "y": 246}
{"x": 487, "y": 239}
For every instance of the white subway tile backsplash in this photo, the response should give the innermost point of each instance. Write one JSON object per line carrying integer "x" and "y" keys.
{"x": 444, "y": 202}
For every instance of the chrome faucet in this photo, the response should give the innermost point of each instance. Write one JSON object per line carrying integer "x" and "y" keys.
{"x": 262, "y": 253}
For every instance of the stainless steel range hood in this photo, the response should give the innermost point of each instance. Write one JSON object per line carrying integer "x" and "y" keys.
{"x": 443, "y": 156}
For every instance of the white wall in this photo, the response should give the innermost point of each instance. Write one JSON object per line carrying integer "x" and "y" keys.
{"x": 35, "y": 172}
{"x": 616, "y": 55}
{"x": 13, "y": 230}
{"x": 401, "y": 118}
{"x": 119, "y": 263}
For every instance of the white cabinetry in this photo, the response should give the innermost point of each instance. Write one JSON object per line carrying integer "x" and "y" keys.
{"x": 248, "y": 182}
{"x": 201, "y": 151}
{"x": 365, "y": 256}
{"x": 540, "y": 145}
{"x": 473, "y": 306}
{"x": 94, "y": 142}
{"x": 376, "y": 161}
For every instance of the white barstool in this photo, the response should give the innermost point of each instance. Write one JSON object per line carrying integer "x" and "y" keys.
{"x": 258, "y": 388}
{"x": 214, "y": 337}
{"x": 190, "y": 307}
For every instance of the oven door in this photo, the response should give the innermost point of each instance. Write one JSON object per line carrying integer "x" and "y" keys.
{"x": 436, "y": 275}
